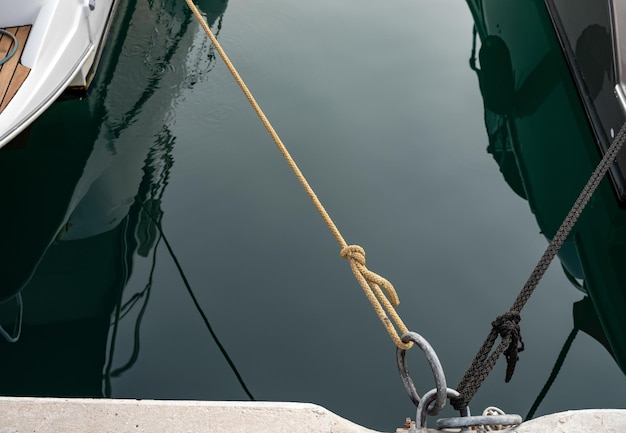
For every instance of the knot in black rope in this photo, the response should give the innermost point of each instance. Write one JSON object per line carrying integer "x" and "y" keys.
{"x": 507, "y": 326}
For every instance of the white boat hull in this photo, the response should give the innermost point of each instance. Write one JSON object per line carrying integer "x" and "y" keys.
{"x": 62, "y": 51}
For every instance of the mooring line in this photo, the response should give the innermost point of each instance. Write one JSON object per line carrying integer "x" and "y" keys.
{"x": 507, "y": 325}
{"x": 217, "y": 341}
{"x": 370, "y": 282}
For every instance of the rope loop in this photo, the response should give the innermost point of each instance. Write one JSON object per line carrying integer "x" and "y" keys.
{"x": 371, "y": 283}
{"x": 13, "y": 50}
{"x": 356, "y": 255}
{"x": 507, "y": 326}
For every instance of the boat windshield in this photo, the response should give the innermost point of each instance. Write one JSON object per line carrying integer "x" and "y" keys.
{"x": 592, "y": 34}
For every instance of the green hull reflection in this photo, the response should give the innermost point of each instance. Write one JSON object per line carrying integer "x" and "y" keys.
{"x": 84, "y": 196}
{"x": 542, "y": 139}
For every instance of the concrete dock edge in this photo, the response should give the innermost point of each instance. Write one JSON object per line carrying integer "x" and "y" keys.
{"x": 577, "y": 421}
{"x": 62, "y": 415}
{"x": 59, "y": 415}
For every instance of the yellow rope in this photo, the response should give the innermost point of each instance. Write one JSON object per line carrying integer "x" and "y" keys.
{"x": 369, "y": 281}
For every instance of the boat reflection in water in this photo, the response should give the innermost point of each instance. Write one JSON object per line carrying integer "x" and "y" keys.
{"x": 543, "y": 137}
{"x": 82, "y": 197}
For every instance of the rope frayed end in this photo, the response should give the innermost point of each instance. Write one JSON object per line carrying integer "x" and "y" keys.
{"x": 507, "y": 325}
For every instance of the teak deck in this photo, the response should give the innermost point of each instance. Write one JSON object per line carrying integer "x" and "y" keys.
{"x": 12, "y": 72}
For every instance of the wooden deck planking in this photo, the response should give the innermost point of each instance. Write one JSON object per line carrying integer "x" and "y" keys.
{"x": 6, "y": 42}
{"x": 12, "y": 73}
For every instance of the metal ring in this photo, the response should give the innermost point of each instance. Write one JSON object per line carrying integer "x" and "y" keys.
{"x": 435, "y": 365}
{"x": 485, "y": 420}
{"x": 420, "y": 416}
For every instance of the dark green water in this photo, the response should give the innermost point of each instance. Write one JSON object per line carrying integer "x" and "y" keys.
{"x": 380, "y": 108}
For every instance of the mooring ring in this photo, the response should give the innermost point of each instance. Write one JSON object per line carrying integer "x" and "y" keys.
{"x": 435, "y": 365}
{"x": 430, "y": 396}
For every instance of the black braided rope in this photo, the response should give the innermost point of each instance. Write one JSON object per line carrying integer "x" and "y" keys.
{"x": 507, "y": 325}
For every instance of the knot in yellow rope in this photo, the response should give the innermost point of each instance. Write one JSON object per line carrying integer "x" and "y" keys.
{"x": 371, "y": 284}
{"x": 354, "y": 252}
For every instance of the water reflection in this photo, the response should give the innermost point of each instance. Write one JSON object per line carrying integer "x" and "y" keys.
{"x": 545, "y": 148}
{"x": 86, "y": 184}
{"x": 233, "y": 194}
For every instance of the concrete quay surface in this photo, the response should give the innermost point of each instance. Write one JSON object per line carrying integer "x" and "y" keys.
{"x": 577, "y": 421}
{"x": 60, "y": 415}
